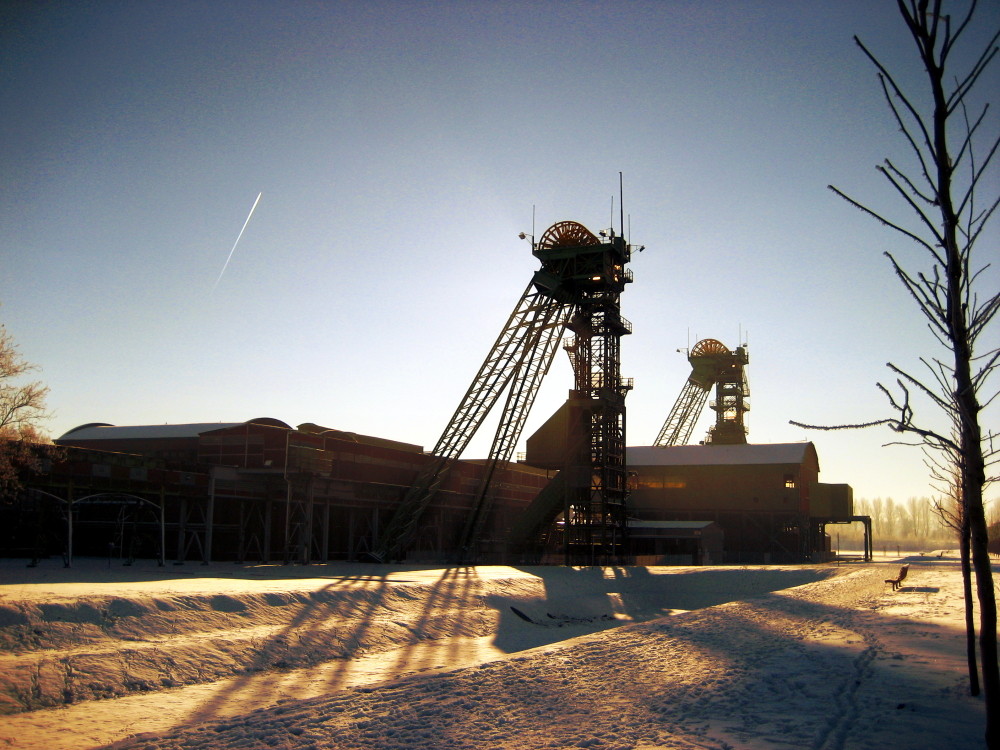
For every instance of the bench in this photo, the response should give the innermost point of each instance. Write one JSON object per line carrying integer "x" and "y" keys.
{"x": 898, "y": 580}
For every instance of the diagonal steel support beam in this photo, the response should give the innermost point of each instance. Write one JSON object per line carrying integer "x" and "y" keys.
{"x": 682, "y": 418}
{"x": 535, "y": 363}
{"x": 534, "y": 314}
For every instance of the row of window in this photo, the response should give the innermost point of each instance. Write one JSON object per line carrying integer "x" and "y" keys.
{"x": 652, "y": 482}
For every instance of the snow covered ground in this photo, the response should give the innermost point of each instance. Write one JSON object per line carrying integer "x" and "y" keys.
{"x": 363, "y": 656}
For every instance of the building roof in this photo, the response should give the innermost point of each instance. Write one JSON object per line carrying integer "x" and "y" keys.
{"x": 96, "y": 431}
{"x": 720, "y": 455}
{"x": 103, "y": 431}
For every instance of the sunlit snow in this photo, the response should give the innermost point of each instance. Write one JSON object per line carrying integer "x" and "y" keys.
{"x": 353, "y": 656}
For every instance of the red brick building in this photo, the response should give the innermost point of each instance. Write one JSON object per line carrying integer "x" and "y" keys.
{"x": 255, "y": 490}
{"x": 262, "y": 490}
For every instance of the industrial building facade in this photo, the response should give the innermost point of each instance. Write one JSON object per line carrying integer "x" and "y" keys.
{"x": 264, "y": 491}
{"x": 767, "y": 499}
{"x": 250, "y": 491}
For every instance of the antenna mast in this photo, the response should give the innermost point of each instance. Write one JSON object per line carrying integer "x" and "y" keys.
{"x": 621, "y": 205}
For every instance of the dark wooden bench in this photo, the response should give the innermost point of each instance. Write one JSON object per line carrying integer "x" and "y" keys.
{"x": 898, "y": 580}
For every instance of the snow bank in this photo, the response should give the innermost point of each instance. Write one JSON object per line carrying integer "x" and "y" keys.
{"x": 61, "y": 646}
{"x": 838, "y": 662}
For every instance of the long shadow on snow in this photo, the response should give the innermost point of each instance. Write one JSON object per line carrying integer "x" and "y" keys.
{"x": 644, "y": 595}
{"x": 756, "y": 656}
{"x": 589, "y": 599}
{"x": 452, "y": 591}
{"x": 264, "y": 655}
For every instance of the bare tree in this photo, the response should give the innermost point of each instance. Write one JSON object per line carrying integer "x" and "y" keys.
{"x": 951, "y": 510}
{"x": 22, "y": 408}
{"x": 943, "y": 197}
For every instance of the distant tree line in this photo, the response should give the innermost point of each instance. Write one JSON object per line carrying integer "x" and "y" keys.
{"x": 913, "y": 525}
{"x": 913, "y": 520}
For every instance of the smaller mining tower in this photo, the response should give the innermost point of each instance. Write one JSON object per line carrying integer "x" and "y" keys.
{"x": 731, "y": 400}
{"x": 712, "y": 364}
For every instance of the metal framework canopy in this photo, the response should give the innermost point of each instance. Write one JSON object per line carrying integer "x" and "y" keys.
{"x": 712, "y": 364}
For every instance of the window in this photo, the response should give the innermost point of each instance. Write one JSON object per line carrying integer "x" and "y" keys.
{"x": 790, "y": 481}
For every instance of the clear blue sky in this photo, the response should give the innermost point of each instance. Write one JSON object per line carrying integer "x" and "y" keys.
{"x": 400, "y": 148}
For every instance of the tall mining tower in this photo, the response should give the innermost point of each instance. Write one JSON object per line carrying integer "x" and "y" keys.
{"x": 577, "y": 287}
{"x": 594, "y": 488}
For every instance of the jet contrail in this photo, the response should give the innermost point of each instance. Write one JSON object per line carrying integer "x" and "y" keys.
{"x": 226, "y": 264}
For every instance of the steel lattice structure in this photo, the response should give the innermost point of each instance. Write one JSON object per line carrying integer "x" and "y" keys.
{"x": 712, "y": 364}
{"x": 577, "y": 286}
{"x": 682, "y": 418}
{"x": 595, "y": 489}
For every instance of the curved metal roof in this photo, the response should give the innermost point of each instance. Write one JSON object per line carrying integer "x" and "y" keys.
{"x": 102, "y": 431}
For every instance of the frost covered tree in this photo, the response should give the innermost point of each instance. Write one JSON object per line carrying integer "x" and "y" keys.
{"x": 22, "y": 409}
{"x": 943, "y": 191}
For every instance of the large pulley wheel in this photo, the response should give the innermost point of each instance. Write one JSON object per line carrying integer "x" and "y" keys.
{"x": 567, "y": 234}
{"x": 708, "y": 347}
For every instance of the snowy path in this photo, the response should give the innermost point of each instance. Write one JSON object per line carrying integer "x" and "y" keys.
{"x": 839, "y": 663}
